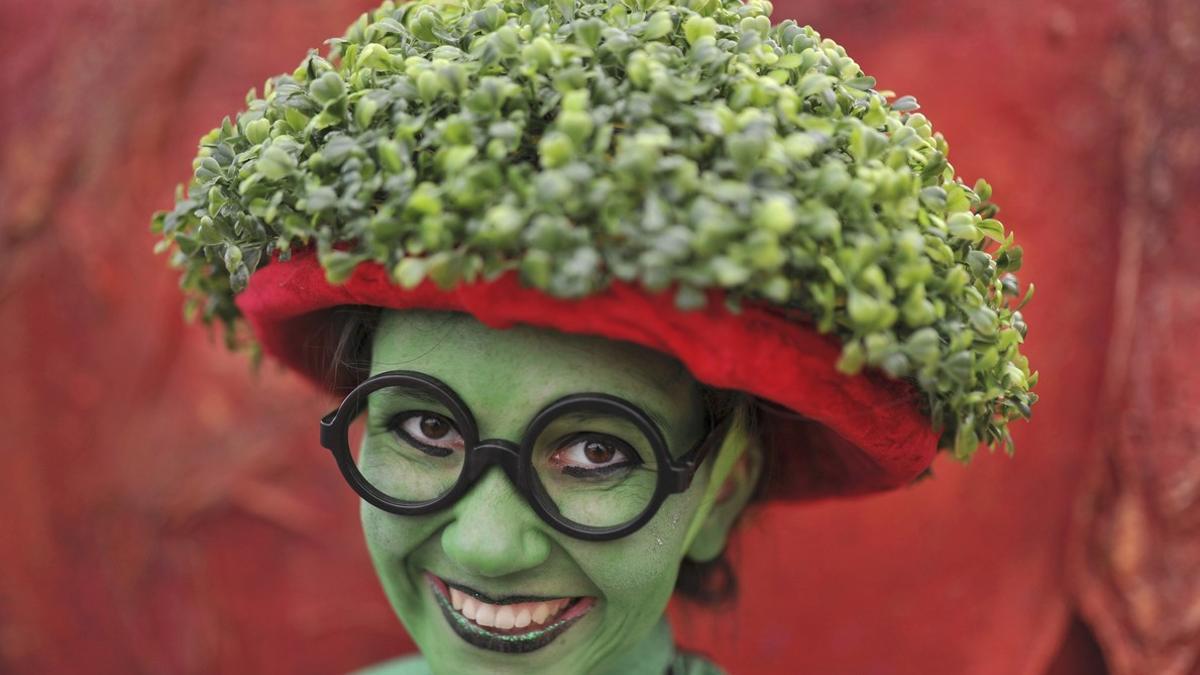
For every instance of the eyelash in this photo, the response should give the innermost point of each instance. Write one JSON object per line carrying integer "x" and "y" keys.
{"x": 395, "y": 424}
{"x": 632, "y": 459}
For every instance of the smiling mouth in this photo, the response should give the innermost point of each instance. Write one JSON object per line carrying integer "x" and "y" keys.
{"x": 512, "y": 625}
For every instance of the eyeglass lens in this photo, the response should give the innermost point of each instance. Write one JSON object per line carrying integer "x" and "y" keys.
{"x": 594, "y": 466}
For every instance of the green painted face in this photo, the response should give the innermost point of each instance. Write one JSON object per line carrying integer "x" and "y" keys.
{"x": 491, "y": 543}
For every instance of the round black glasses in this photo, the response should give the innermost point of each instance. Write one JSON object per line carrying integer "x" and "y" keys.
{"x": 593, "y": 466}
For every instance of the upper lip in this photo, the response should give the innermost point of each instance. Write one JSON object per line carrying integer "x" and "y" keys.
{"x": 501, "y": 600}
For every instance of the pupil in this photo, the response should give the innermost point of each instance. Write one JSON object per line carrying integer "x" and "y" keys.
{"x": 597, "y": 452}
{"x": 433, "y": 427}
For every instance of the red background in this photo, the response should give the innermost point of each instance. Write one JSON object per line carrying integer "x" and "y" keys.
{"x": 167, "y": 512}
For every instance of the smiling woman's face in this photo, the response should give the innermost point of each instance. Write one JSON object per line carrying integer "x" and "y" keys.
{"x": 574, "y": 606}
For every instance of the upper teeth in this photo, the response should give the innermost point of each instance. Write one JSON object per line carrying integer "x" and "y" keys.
{"x": 516, "y": 615}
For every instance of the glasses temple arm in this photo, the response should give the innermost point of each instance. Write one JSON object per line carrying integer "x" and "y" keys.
{"x": 690, "y": 462}
{"x": 328, "y": 437}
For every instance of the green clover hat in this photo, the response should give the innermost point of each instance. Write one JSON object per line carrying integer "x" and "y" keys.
{"x": 681, "y": 175}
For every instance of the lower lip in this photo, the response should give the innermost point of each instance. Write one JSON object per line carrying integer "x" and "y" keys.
{"x": 505, "y": 642}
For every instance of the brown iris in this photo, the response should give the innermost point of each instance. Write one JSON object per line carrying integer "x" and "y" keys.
{"x": 434, "y": 427}
{"x": 598, "y": 452}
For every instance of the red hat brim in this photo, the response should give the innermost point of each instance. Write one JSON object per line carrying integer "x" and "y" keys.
{"x": 829, "y": 434}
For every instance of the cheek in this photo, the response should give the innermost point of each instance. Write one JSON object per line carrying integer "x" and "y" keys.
{"x": 391, "y": 541}
{"x": 637, "y": 574}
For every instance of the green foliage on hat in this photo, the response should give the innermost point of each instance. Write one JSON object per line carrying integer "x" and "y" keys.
{"x": 680, "y": 146}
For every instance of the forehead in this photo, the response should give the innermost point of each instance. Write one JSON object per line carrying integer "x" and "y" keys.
{"x": 520, "y": 369}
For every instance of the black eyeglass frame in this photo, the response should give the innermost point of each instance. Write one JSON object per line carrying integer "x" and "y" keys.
{"x": 674, "y": 475}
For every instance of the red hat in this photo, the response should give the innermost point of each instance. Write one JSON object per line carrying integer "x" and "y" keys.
{"x": 623, "y": 176}
{"x": 828, "y": 433}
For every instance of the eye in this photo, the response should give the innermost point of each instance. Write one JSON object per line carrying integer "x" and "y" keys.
{"x": 594, "y": 455}
{"x": 429, "y": 432}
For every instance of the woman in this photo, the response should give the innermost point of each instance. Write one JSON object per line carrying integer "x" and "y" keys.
{"x": 500, "y": 580}
{"x": 581, "y": 271}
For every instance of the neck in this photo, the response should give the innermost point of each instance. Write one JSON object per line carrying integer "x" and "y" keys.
{"x": 650, "y": 656}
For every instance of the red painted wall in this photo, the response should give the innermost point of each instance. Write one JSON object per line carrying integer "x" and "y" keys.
{"x": 167, "y": 511}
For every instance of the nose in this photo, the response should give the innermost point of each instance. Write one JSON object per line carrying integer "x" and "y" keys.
{"x": 494, "y": 532}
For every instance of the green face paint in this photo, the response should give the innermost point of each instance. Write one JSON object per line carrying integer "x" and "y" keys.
{"x": 610, "y": 595}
